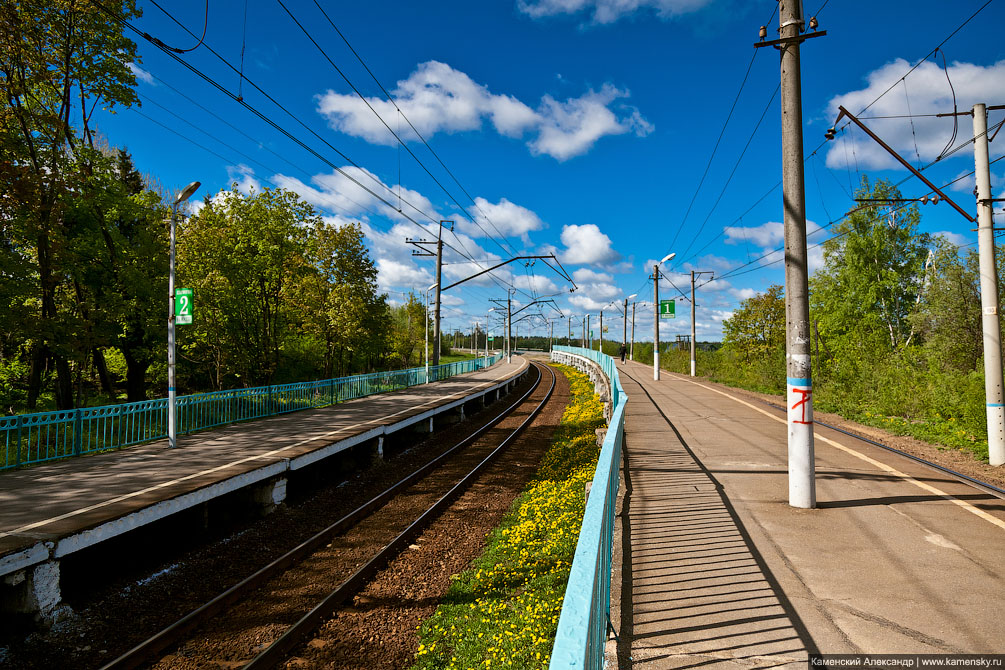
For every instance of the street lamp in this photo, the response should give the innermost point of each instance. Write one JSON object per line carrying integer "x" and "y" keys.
{"x": 425, "y": 328}
{"x": 656, "y": 315}
{"x": 172, "y": 391}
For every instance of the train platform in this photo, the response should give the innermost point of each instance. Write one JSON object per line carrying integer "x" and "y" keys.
{"x": 713, "y": 568}
{"x": 50, "y": 511}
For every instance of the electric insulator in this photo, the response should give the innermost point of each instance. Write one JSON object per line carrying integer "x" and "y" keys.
{"x": 763, "y": 32}
{"x": 813, "y": 23}
{"x": 935, "y": 200}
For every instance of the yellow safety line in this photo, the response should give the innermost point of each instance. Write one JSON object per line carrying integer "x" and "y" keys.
{"x": 883, "y": 466}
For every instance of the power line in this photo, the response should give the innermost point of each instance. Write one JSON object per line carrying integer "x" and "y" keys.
{"x": 410, "y": 125}
{"x": 274, "y": 124}
{"x": 401, "y": 143}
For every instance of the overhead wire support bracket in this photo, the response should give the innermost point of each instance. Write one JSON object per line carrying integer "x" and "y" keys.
{"x": 515, "y": 258}
{"x": 844, "y": 112}
{"x": 790, "y": 40}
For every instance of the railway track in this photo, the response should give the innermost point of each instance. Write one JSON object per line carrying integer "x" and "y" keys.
{"x": 320, "y": 575}
{"x": 966, "y": 479}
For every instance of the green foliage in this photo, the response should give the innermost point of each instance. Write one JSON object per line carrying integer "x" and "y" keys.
{"x": 872, "y": 276}
{"x": 757, "y": 327}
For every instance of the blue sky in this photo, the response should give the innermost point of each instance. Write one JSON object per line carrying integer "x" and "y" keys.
{"x": 575, "y": 127}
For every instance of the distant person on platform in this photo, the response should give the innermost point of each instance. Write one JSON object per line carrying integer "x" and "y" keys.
{"x": 623, "y": 351}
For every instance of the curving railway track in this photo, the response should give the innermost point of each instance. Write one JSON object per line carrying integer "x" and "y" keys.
{"x": 260, "y": 621}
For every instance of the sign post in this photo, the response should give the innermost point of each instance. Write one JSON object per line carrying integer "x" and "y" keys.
{"x": 667, "y": 309}
{"x": 183, "y": 306}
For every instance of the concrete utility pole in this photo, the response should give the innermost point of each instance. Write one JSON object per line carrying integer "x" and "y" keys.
{"x": 439, "y": 284}
{"x": 631, "y": 351}
{"x": 601, "y": 331}
{"x": 994, "y": 395}
{"x": 551, "y": 334}
{"x": 694, "y": 308}
{"x": 509, "y": 326}
{"x": 656, "y": 315}
{"x": 799, "y": 382}
{"x": 588, "y": 334}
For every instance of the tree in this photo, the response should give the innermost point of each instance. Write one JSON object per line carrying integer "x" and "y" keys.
{"x": 757, "y": 327}
{"x": 948, "y": 314}
{"x": 342, "y": 307}
{"x": 872, "y": 275}
{"x": 61, "y": 60}
{"x": 245, "y": 256}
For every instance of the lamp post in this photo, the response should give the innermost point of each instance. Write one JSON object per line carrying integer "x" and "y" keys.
{"x": 656, "y": 316}
{"x": 425, "y": 329}
{"x": 172, "y": 391}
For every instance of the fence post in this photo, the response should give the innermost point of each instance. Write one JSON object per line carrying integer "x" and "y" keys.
{"x": 118, "y": 433}
{"x": 20, "y": 423}
{"x": 78, "y": 430}
{"x": 268, "y": 402}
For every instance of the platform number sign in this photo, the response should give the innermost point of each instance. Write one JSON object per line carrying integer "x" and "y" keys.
{"x": 667, "y": 309}
{"x": 183, "y": 306}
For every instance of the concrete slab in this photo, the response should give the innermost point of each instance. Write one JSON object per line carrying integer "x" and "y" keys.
{"x": 54, "y": 509}
{"x": 718, "y": 571}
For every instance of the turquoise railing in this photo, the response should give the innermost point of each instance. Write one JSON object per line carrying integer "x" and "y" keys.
{"x": 48, "y": 436}
{"x": 582, "y": 625}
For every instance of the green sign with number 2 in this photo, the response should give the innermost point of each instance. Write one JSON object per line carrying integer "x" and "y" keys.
{"x": 183, "y": 306}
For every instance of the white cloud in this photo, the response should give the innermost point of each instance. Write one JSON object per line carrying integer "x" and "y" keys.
{"x": 438, "y": 98}
{"x": 586, "y": 245}
{"x": 770, "y": 234}
{"x": 571, "y": 128}
{"x": 392, "y": 273}
{"x": 141, "y": 74}
{"x": 608, "y": 11}
{"x": 504, "y": 217}
{"x": 586, "y": 275}
{"x": 244, "y": 177}
{"x": 927, "y": 92}
{"x": 956, "y": 238}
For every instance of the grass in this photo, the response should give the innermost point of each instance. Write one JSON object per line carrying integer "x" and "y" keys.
{"x": 503, "y": 611}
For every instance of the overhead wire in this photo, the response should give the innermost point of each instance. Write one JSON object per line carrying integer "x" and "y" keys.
{"x": 271, "y": 122}
{"x": 401, "y": 143}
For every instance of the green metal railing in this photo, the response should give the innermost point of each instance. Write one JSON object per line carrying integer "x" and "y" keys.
{"x": 46, "y": 436}
{"x": 582, "y": 625}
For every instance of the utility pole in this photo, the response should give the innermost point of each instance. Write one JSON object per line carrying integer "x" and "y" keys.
{"x": 551, "y": 334}
{"x": 439, "y": 286}
{"x": 994, "y": 395}
{"x": 694, "y": 309}
{"x": 601, "y": 350}
{"x": 656, "y": 322}
{"x": 509, "y": 325}
{"x": 656, "y": 315}
{"x": 799, "y": 382}
{"x": 631, "y": 352}
{"x": 588, "y": 334}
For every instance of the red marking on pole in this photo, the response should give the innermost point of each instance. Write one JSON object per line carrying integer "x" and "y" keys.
{"x": 806, "y": 393}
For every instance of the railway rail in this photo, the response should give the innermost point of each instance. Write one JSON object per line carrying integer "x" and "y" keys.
{"x": 470, "y": 455}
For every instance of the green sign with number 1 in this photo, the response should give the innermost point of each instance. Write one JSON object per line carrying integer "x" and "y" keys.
{"x": 183, "y": 306}
{"x": 667, "y": 309}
